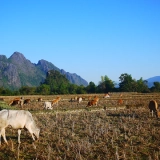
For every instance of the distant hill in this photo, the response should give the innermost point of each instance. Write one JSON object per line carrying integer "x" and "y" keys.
{"x": 152, "y": 80}
{"x": 17, "y": 71}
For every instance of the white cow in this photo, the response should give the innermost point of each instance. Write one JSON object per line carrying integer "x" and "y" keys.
{"x": 17, "y": 119}
{"x": 79, "y": 99}
{"x": 106, "y": 96}
{"x": 48, "y": 105}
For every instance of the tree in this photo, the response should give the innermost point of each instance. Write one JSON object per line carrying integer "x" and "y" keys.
{"x": 5, "y": 91}
{"x": 127, "y": 84}
{"x": 43, "y": 89}
{"x": 63, "y": 89}
{"x": 91, "y": 88}
{"x": 27, "y": 90}
{"x": 156, "y": 87}
{"x": 81, "y": 90}
{"x": 72, "y": 88}
{"x": 105, "y": 85}
{"x": 142, "y": 86}
{"x": 58, "y": 83}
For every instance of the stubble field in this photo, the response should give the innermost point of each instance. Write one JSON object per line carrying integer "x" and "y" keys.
{"x": 75, "y": 132}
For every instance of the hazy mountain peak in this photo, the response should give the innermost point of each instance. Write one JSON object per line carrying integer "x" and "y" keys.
{"x": 17, "y": 56}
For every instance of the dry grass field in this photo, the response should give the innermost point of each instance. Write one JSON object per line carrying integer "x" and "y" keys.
{"x": 71, "y": 131}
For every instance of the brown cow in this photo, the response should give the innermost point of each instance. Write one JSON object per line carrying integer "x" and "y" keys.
{"x": 1, "y": 99}
{"x": 58, "y": 98}
{"x": 96, "y": 99}
{"x": 39, "y": 99}
{"x": 91, "y": 103}
{"x": 120, "y": 101}
{"x": 72, "y": 100}
{"x": 27, "y": 101}
{"x": 153, "y": 107}
{"x": 16, "y": 101}
{"x": 89, "y": 98}
{"x": 55, "y": 101}
{"x": 83, "y": 98}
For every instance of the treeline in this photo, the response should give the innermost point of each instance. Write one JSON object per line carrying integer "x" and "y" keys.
{"x": 56, "y": 83}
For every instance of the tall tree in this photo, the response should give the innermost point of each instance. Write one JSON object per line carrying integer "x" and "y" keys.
{"x": 72, "y": 88}
{"x": 58, "y": 83}
{"x": 105, "y": 85}
{"x": 91, "y": 88}
{"x": 127, "y": 84}
{"x": 142, "y": 86}
{"x": 155, "y": 87}
{"x": 43, "y": 89}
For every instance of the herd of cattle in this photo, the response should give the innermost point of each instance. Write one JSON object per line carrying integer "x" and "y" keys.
{"x": 49, "y": 105}
{"x": 90, "y": 101}
{"x": 19, "y": 119}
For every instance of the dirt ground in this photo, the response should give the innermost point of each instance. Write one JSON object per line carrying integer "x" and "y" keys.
{"x": 74, "y": 131}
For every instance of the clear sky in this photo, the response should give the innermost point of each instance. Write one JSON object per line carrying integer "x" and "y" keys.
{"x": 91, "y": 38}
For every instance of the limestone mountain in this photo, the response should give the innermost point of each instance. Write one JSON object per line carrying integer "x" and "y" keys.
{"x": 17, "y": 71}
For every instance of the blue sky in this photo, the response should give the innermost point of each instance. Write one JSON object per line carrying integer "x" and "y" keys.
{"x": 91, "y": 38}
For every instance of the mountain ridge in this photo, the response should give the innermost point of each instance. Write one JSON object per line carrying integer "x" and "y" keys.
{"x": 17, "y": 71}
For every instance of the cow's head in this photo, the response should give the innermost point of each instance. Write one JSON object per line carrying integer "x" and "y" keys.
{"x": 36, "y": 132}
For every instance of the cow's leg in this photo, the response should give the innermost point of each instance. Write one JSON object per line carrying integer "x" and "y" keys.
{"x": 19, "y": 134}
{"x": 30, "y": 131}
{"x": 3, "y": 135}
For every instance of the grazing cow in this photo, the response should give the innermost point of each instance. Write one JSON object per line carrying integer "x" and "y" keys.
{"x": 120, "y": 101}
{"x": 79, "y": 100}
{"x": 58, "y": 98}
{"x": 17, "y": 119}
{"x": 55, "y": 101}
{"x": 1, "y": 99}
{"x": 96, "y": 99}
{"x": 92, "y": 103}
{"x": 89, "y": 98}
{"x": 153, "y": 107}
{"x": 48, "y": 105}
{"x": 27, "y": 101}
{"x": 106, "y": 96}
{"x": 39, "y": 99}
{"x": 75, "y": 98}
{"x": 16, "y": 101}
{"x": 71, "y": 100}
